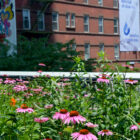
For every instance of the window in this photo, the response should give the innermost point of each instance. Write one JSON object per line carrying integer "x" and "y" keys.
{"x": 87, "y": 51}
{"x": 115, "y": 3}
{"x": 26, "y": 19}
{"x": 100, "y": 20}
{"x": 70, "y": 20}
{"x": 101, "y": 47}
{"x": 41, "y": 24}
{"x": 71, "y": 46}
{"x": 67, "y": 19}
{"x": 74, "y": 46}
{"x": 116, "y": 25}
{"x": 100, "y": 2}
{"x": 86, "y": 23}
{"x": 55, "y": 24}
{"x": 116, "y": 51}
{"x": 85, "y": 1}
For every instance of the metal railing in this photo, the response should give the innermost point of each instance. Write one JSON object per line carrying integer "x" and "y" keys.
{"x": 93, "y": 75}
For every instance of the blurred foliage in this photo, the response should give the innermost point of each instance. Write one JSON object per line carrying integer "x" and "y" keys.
{"x": 56, "y": 56}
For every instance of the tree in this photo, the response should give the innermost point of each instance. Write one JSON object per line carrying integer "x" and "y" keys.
{"x": 56, "y": 56}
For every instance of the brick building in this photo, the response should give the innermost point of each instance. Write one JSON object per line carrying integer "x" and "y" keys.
{"x": 93, "y": 24}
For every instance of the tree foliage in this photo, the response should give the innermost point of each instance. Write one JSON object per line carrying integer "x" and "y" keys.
{"x": 56, "y": 56}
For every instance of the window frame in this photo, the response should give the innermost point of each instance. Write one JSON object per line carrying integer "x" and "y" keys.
{"x": 85, "y": 1}
{"x": 68, "y": 19}
{"x": 40, "y": 14}
{"x": 115, "y": 4}
{"x": 101, "y": 17}
{"x": 87, "y": 55}
{"x": 118, "y": 51}
{"x": 57, "y": 21}
{"x": 29, "y": 18}
{"x": 101, "y": 47}
{"x": 73, "y": 46}
{"x": 86, "y": 24}
{"x": 72, "y": 20}
{"x": 100, "y": 2}
{"x": 116, "y": 26}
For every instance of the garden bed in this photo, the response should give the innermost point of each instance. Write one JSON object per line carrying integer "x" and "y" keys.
{"x": 50, "y": 107}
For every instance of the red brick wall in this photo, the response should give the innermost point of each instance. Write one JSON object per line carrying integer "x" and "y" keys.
{"x": 80, "y": 9}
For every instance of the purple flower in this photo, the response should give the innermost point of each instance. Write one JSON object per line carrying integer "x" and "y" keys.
{"x": 128, "y": 66}
{"x": 61, "y": 115}
{"x": 134, "y": 127}
{"x": 48, "y": 106}
{"x": 42, "y": 64}
{"x": 83, "y": 134}
{"x": 105, "y": 132}
{"x": 74, "y": 118}
{"x": 91, "y": 125}
{"x": 41, "y": 120}
{"x": 24, "y": 108}
{"x": 19, "y": 88}
{"x": 131, "y": 81}
{"x": 103, "y": 80}
{"x": 9, "y": 81}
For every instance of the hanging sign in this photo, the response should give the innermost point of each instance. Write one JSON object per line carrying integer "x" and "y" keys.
{"x": 129, "y": 25}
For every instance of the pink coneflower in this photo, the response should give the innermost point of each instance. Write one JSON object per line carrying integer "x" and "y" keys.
{"x": 61, "y": 115}
{"x": 9, "y": 81}
{"x": 128, "y": 66}
{"x": 40, "y": 71}
{"x": 91, "y": 125}
{"x": 104, "y": 75}
{"x": 5, "y": 75}
{"x": 131, "y": 81}
{"x": 134, "y": 127}
{"x": 19, "y": 80}
{"x": 74, "y": 117}
{"x": 37, "y": 90}
{"x": 1, "y": 80}
{"x": 83, "y": 134}
{"x": 42, "y": 64}
{"x": 41, "y": 120}
{"x": 24, "y": 108}
{"x": 86, "y": 95}
{"x": 99, "y": 89}
{"x": 105, "y": 132}
{"x": 25, "y": 82}
{"x": 28, "y": 95}
{"x": 63, "y": 84}
{"x": 48, "y": 106}
{"x": 65, "y": 79}
{"x": 48, "y": 76}
{"x": 19, "y": 88}
{"x": 46, "y": 93}
{"x": 47, "y": 139}
{"x": 103, "y": 80}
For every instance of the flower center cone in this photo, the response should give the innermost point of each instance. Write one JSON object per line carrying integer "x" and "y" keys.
{"x": 74, "y": 113}
{"x": 63, "y": 111}
{"x": 84, "y": 131}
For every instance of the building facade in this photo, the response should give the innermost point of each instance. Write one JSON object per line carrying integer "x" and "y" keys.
{"x": 93, "y": 24}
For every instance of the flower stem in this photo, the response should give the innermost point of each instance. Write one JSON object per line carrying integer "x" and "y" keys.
{"x": 130, "y": 99}
{"x": 40, "y": 130}
{"x": 24, "y": 121}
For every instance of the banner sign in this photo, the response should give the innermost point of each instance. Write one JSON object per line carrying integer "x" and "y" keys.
{"x": 129, "y": 25}
{"x": 8, "y": 21}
